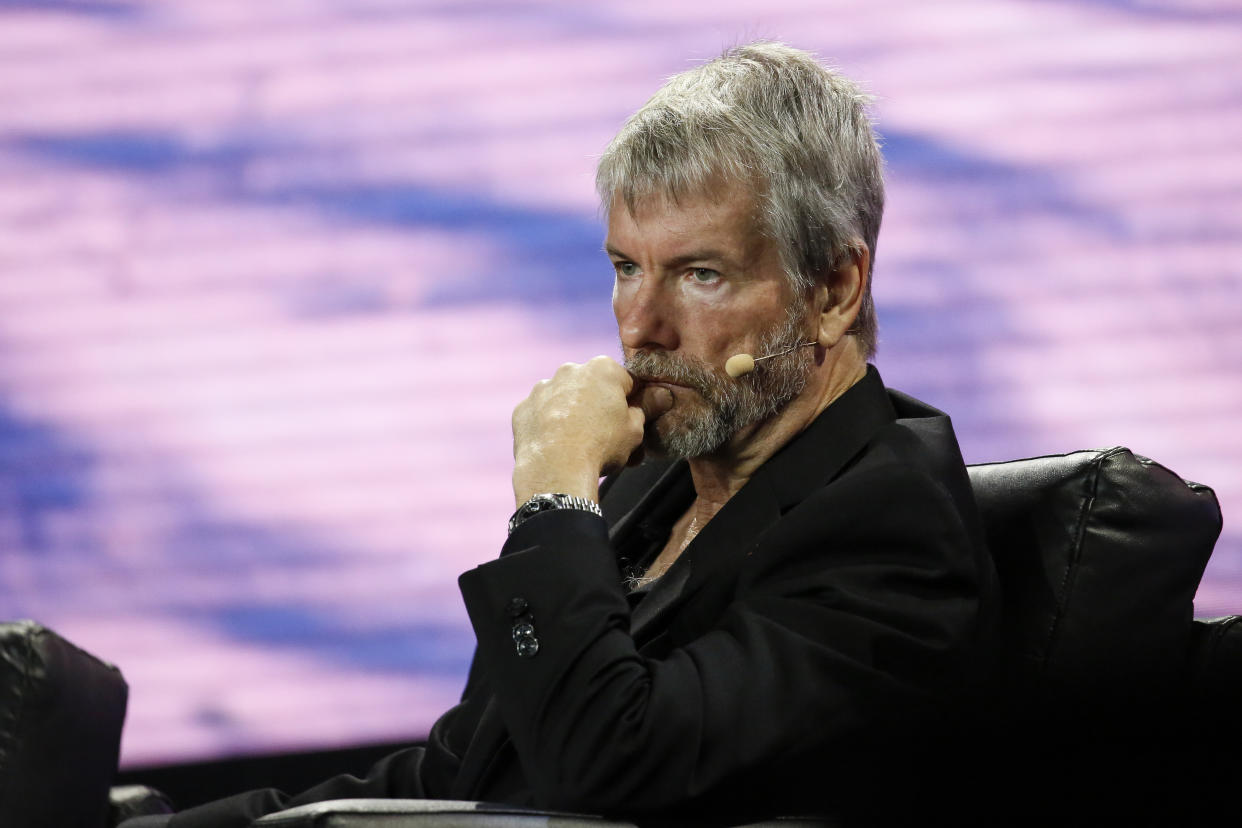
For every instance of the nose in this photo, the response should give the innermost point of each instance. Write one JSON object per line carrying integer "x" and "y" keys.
{"x": 644, "y": 314}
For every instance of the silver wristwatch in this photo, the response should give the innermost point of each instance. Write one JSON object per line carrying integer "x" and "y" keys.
{"x": 548, "y": 501}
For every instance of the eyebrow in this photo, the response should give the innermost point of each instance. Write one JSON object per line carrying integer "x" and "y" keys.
{"x": 703, "y": 255}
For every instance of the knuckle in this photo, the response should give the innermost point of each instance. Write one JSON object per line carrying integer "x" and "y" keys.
{"x": 602, "y": 364}
{"x": 638, "y": 421}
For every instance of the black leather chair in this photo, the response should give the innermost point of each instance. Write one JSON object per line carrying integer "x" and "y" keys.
{"x": 1110, "y": 686}
{"x": 1099, "y": 555}
{"x": 1116, "y": 703}
{"x": 61, "y": 712}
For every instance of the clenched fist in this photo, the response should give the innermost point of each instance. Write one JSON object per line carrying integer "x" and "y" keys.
{"x": 586, "y": 421}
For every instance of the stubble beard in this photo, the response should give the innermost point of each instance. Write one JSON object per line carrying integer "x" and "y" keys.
{"x": 695, "y": 428}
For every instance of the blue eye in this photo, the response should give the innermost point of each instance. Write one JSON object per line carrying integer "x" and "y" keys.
{"x": 626, "y": 268}
{"x": 704, "y": 275}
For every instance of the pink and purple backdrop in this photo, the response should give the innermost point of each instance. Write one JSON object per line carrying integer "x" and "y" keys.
{"x": 273, "y": 275}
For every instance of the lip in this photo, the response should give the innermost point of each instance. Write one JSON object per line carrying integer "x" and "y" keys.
{"x": 664, "y": 384}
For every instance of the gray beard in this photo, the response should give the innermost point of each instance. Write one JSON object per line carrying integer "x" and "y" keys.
{"x": 727, "y": 405}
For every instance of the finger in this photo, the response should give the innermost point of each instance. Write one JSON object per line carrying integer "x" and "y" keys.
{"x": 566, "y": 368}
{"x": 654, "y": 400}
{"x": 614, "y": 370}
{"x": 638, "y": 418}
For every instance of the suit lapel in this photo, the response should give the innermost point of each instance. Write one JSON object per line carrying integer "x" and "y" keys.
{"x": 628, "y": 499}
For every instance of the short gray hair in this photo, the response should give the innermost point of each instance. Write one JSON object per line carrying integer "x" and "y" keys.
{"x": 771, "y": 118}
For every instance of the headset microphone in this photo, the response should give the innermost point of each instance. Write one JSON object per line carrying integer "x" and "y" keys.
{"x": 739, "y": 365}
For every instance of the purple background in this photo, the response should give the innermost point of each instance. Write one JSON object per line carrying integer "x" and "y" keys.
{"x": 273, "y": 275}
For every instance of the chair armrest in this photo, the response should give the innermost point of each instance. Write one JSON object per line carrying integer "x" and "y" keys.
{"x": 442, "y": 813}
{"x": 1216, "y": 680}
{"x": 129, "y": 801}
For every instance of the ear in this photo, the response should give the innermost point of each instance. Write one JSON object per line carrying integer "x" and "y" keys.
{"x": 840, "y": 297}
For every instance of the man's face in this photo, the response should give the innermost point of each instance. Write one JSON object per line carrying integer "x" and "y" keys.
{"x": 696, "y": 283}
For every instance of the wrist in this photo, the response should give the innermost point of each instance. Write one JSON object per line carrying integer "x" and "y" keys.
{"x": 551, "y": 501}
{"x": 531, "y": 478}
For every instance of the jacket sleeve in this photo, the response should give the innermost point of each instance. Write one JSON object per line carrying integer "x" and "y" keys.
{"x": 422, "y": 771}
{"x": 840, "y": 624}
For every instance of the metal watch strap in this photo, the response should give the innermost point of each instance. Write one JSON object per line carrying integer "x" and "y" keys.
{"x": 548, "y": 501}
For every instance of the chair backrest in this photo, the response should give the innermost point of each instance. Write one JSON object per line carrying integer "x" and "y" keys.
{"x": 1119, "y": 707}
{"x": 1099, "y": 554}
{"x": 61, "y": 711}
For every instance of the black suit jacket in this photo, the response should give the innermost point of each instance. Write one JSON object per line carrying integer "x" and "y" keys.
{"x": 818, "y": 643}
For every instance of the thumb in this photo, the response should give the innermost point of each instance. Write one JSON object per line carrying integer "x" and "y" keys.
{"x": 654, "y": 401}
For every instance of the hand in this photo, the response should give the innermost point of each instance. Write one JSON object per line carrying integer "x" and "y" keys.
{"x": 579, "y": 425}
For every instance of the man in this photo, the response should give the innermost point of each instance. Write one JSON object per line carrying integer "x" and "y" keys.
{"x": 784, "y": 611}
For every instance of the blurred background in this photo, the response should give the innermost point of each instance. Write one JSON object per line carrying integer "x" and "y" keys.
{"x": 273, "y": 276}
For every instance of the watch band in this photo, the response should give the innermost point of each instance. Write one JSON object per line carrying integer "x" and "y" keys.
{"x": 547, "y": 501}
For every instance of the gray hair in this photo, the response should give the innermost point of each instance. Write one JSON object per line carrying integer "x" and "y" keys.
{"x": 771, "y": 118}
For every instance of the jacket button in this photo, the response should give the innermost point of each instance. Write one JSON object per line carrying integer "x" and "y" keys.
{"x": 523, "y": 629}
{"x": 516, "y": 607}
{"x": 527, "y": 646}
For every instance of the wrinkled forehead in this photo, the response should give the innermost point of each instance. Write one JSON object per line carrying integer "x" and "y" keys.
{"x": 720, "y": 196}
{"x": 724, "y": 216}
